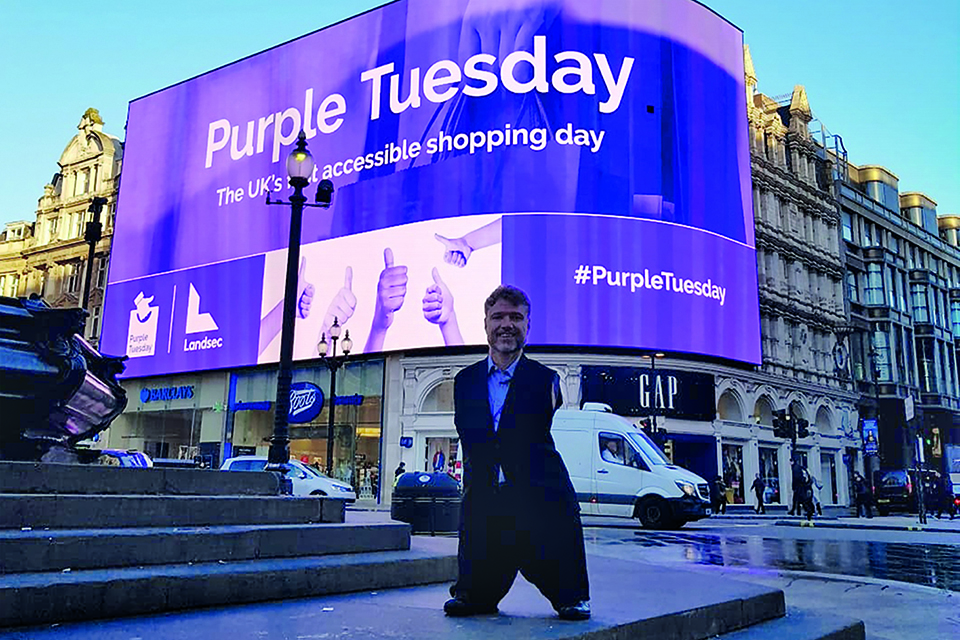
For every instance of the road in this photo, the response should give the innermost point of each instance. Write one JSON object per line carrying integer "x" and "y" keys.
{"x": 903, "y": 584}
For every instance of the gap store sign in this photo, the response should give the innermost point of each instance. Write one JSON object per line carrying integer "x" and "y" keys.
{"x": 592, "y": 153}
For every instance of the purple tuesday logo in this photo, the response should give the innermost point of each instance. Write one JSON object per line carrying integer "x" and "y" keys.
{"x": 142, "y": 329}
{"x": 306, "y": 401}
{"x": 198, "y": 322}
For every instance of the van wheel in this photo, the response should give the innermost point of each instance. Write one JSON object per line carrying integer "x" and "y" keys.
{"x": 318, "y": 493}
{"x": 654, "y": 513}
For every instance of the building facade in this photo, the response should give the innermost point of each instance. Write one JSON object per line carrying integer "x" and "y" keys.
{"x": 902, "y": 272}
{"x": 47, "y": 256}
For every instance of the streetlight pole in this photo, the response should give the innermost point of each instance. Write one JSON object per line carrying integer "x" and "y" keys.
{"x": 333, "y": 363}
{"x": 300, "y": 167}
{"x": 653, "y": 418}
{"x": 92, "y": 235}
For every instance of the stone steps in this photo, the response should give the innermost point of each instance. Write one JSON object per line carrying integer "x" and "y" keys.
{"x": 53, "y": 511}
{"x": 802, "y": 625}
{"x": 76, "y": 549}
{"x": 54, "y": 478}
{"x": 57, "y": 597}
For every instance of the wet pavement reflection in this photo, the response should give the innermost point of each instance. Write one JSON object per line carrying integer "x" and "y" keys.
{"x": 933, "y": 565}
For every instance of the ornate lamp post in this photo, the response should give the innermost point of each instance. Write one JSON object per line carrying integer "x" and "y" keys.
{"x": 333, "y": 363}
{"x": 299, "y": 169}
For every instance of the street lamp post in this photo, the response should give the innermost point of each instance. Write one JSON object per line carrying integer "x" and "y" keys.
{"x": 333, "y": 363}
{"x": 300, "y": 167}
{"x": 92, "y": 235}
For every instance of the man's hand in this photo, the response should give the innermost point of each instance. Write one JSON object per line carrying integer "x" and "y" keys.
{"x": 342, "y": 306}
{"x": 438, "y": 301}
{"x": 304, "y": 292}
{"x": 456, "y": 251}
{"x": 391, "y": 290}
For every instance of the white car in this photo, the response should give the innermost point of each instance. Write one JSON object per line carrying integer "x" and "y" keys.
{"x": 307, "y": 481}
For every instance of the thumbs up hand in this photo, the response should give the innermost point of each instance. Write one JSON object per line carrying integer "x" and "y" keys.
{"x": 391, "y": 290}
{"x": 438, "y": 301}
{"x": 456, "y": 251}
{"x": 305, "y": 292}
{"x": 342, "y": 306}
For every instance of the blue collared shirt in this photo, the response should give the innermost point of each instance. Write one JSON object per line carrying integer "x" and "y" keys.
{"x": 498, "y": 384}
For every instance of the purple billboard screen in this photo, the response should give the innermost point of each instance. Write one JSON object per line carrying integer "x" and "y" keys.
{"x": 592, "y": 153}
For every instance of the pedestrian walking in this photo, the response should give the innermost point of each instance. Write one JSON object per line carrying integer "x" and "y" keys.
{"x": 797, "y": 474}
{"x": 718, "y": 495}
{"x": 862, "y": 495}
{"x": 945, "y": 498}
{"x": 806, "y": 494}
{"x": 759, "y": 487}
{"x": 519, "y": 510}
{"x": 816, "y": 487}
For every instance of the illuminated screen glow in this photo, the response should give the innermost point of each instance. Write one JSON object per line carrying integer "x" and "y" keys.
{"x": 593, "y": 154}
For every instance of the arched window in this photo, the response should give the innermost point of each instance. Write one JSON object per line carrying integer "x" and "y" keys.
{"x": 825, "y": 421}
{"x": 728, "y": 407}
{"x": 797, "y": 410}
{"x": 763, "y": 411}
{"x": 94, "y": 141}
{"x": 439, "y": 399}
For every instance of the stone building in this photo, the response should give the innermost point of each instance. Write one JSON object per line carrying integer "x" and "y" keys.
{"x": 48, "y": 256}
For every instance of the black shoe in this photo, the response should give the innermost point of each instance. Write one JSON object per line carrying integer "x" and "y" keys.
{"x": 578, "y": 611}
{"x": 459, "y": 608}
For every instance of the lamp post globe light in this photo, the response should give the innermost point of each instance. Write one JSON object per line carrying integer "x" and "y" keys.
{"x": 300, "y": 167}
{"x": 333, "y": 363}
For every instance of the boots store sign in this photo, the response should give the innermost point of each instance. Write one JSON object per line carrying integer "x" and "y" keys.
{"x": 645, "y": 392}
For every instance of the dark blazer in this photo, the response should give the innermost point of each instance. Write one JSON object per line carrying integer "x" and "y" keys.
{"x": 522, "y": 446}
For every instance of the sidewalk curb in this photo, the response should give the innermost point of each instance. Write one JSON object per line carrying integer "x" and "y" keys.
{"x": 830, "y": 577}
{"x": 870, "y": 527}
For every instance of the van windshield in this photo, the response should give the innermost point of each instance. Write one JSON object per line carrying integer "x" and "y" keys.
{"x": 650, "y": 450}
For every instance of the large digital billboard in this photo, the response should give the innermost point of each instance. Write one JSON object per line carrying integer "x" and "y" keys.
{"x": 593, "y": 153}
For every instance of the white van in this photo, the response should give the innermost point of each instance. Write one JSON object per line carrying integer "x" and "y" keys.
{"x": 618, "y": 471}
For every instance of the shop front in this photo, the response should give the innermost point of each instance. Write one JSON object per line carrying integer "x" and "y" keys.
{"x": 179, "y": 417}
{"x": 357, "y": 413}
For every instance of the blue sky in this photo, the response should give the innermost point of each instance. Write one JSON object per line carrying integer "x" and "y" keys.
{"x": 883, "y": 74}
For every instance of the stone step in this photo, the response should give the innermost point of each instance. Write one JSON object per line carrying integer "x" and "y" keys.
{"x": 48, "y": 477}
{"x": 75, "y": 549}
{"x": 38, "y": 511}
{"x": 56, "y": 597}
{"x": 629, "y": 600}
{"x": 802, "y": 625}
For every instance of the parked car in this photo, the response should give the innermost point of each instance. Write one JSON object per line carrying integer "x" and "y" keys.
{"x": 120, "y": 458}
{"x": 897, "y": 489}
{"x": 307, "y": 481}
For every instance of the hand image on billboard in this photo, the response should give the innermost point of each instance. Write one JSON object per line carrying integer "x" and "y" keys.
{"x": 341, "y": 307}
{"x": 457, "y": 251}
{"x": 500, "y": 27}
{"x": 391, "y": 290}
{"x": 438, "y": 309}
{"x": 271, "y": 323}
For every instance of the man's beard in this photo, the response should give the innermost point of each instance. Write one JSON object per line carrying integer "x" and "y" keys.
{"x": 501, "y": 340}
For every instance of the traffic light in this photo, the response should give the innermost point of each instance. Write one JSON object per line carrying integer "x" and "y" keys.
{"x": 803, "y": 430}
{"x": 668, "y": 449}
{"x": 782, "y": 424}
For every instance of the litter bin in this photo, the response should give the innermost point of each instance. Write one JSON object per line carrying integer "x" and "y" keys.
{"x": 429, "y": 502}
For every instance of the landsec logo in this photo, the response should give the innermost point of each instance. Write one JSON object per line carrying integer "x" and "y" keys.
{"x": 198, "y": 322}
{"x": 306, "y": 401}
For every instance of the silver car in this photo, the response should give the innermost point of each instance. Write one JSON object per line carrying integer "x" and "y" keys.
{"x": 307, "y": 481}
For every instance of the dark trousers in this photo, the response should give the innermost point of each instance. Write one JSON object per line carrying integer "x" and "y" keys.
{"x": 760, "y": 508}
{"x": 511, "y": 533}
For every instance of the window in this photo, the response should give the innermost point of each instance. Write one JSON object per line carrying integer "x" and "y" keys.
{"x": 95, "y": 322}
{"x": 102, "y": 264}
{"x": 881, "y": 344}
{"x": 918, "y": 295}
{"x": 52, "y": 229}
{"x": 847, "y": 226}
{"x": 867, "y": 235}
{"x": 874, "y": 284}
{"x": 14, "y": 286}
{"x": 81, "y": 182}
{"x": 955, "y": 317}
{"x": 3, "y": 283}
{"x": 853, "y": 287}
{"x": 615, "y": 450}
{"x": 72, "y": 277}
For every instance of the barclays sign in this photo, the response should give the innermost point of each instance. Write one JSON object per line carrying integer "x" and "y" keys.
{"x": 306, "y": 401}
{"x": 165, "y": 394}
